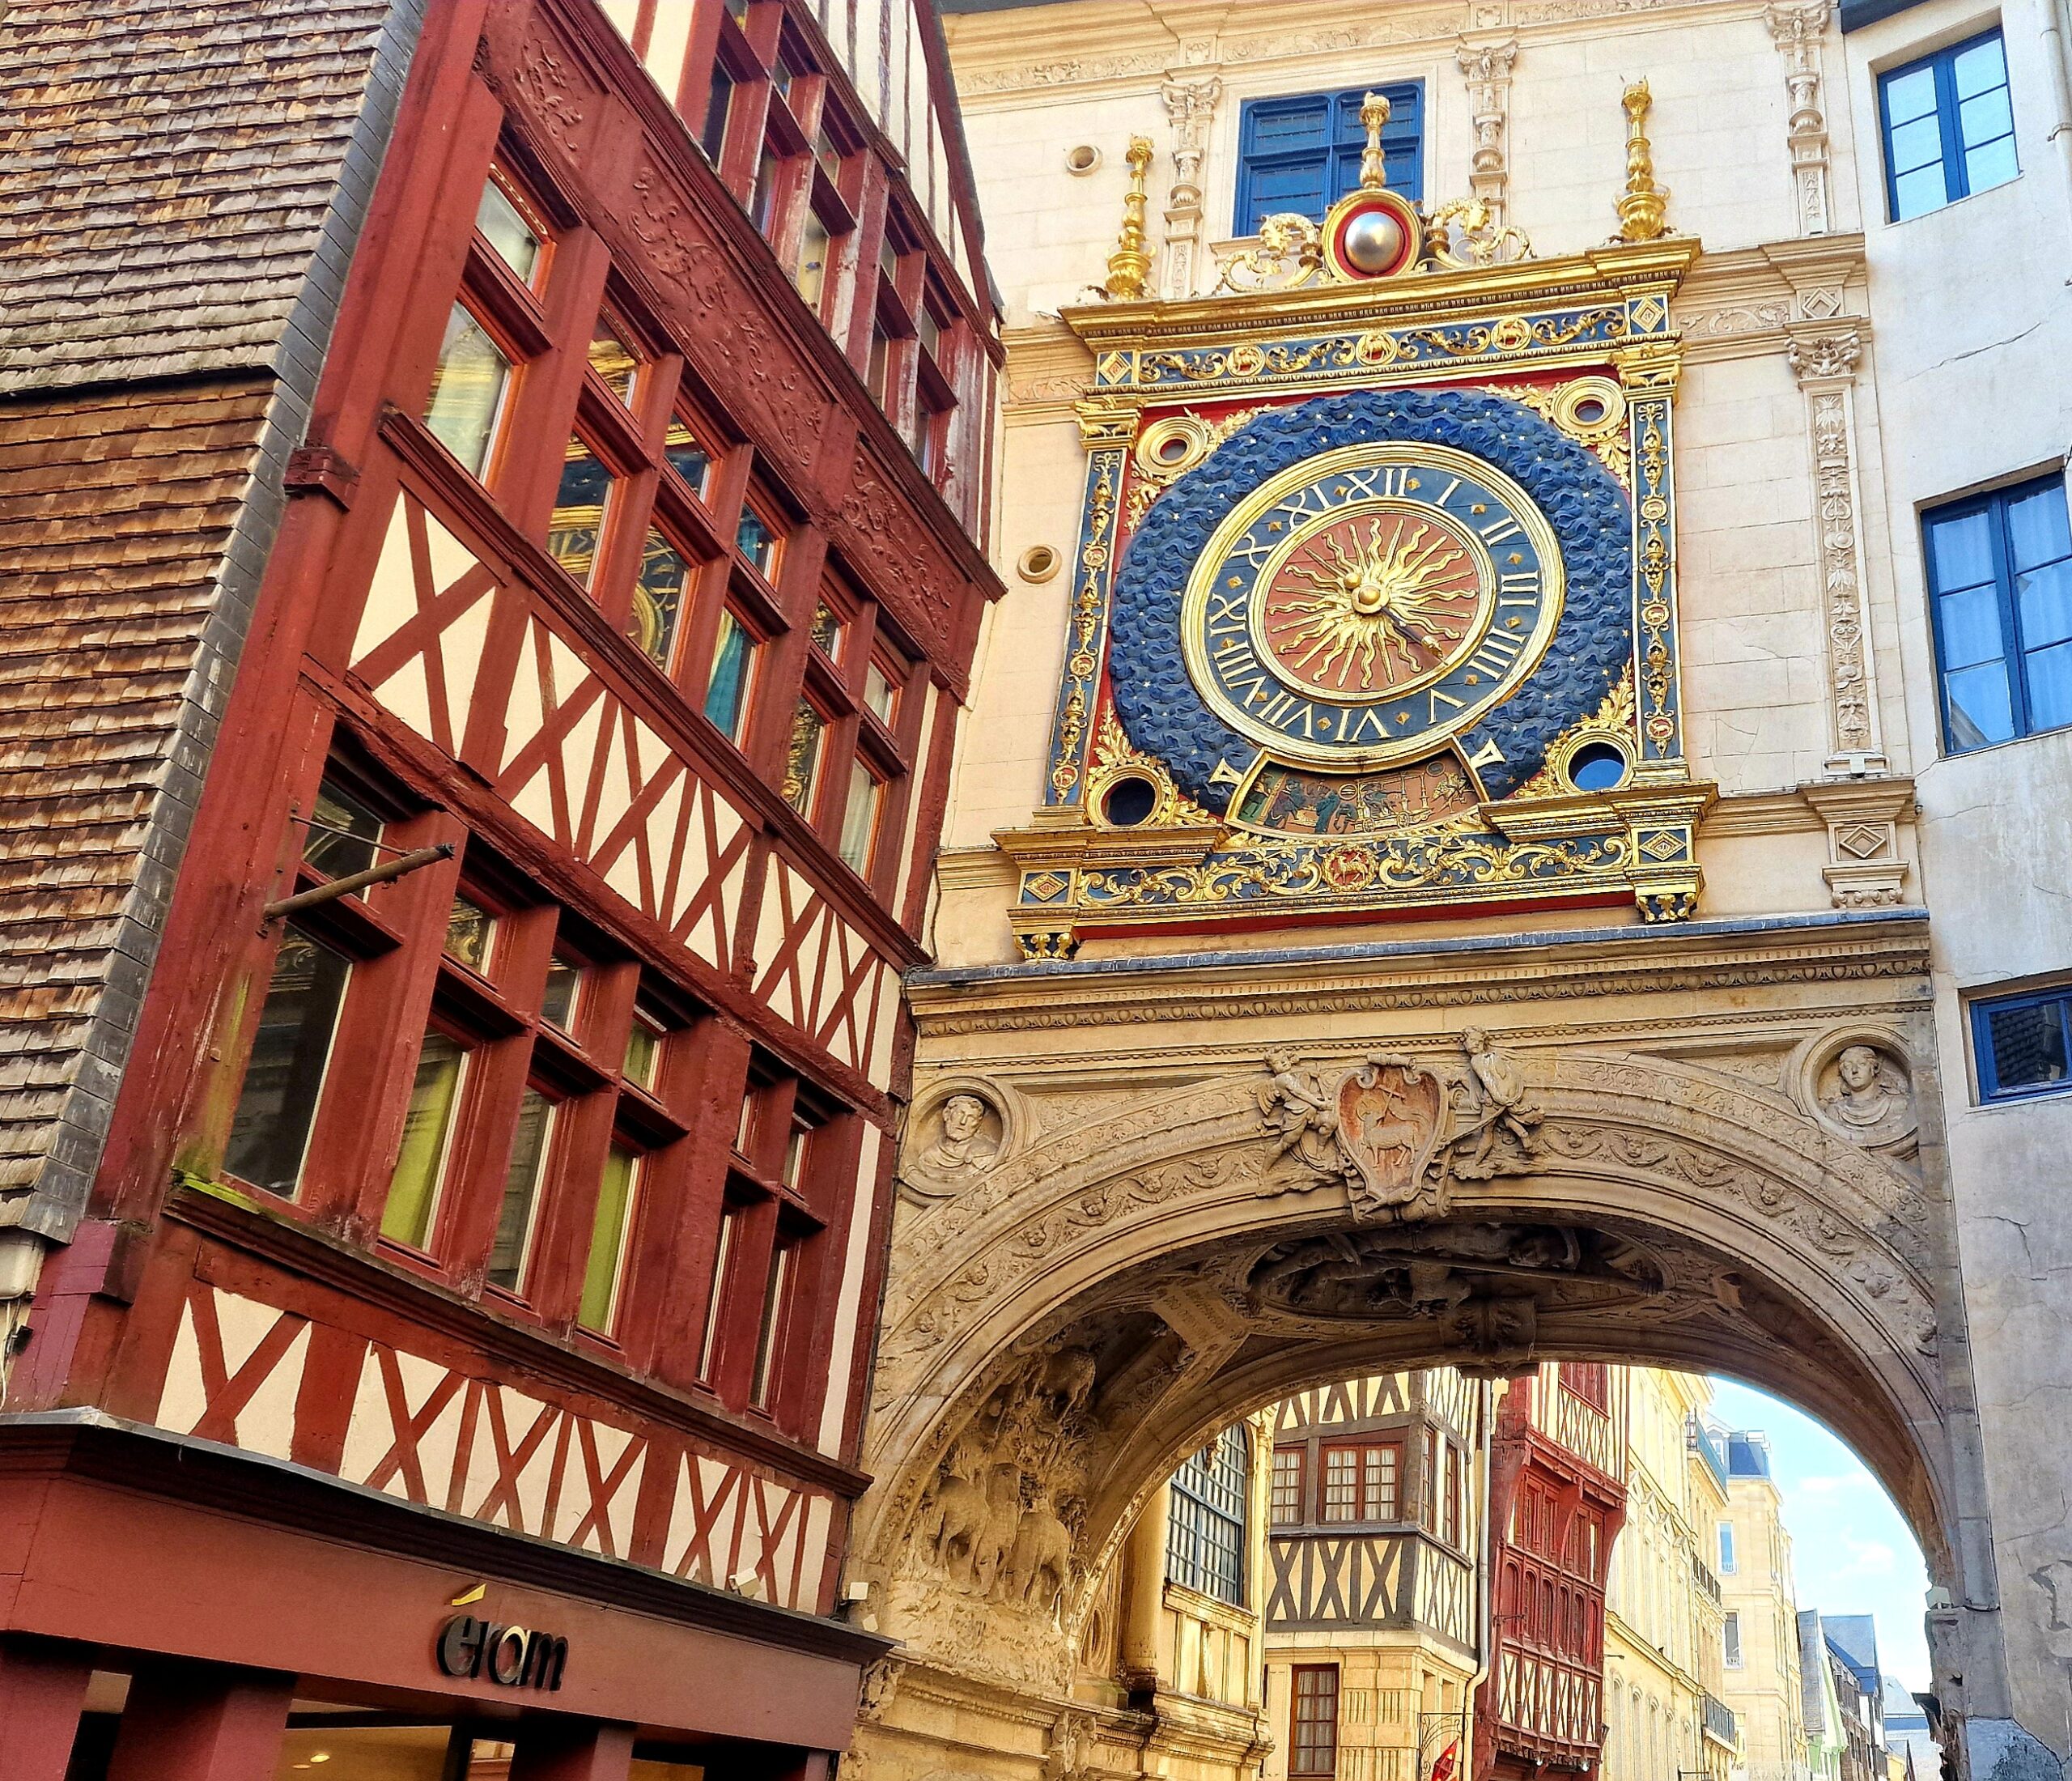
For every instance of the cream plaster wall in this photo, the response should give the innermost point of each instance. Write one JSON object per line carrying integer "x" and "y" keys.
{"x": 1974, "y": 329}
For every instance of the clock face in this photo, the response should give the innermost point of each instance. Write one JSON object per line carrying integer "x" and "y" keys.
{"x": 1365, "y": 605}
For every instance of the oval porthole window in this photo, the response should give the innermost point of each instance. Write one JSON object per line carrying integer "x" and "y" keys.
{"x": 1129, "y": 801}
{"x": 1597, "y": 767}
{"x": 1590, "y": 410}
{"x": 1038, "y": 563}
{"x": 1082, "y": 160}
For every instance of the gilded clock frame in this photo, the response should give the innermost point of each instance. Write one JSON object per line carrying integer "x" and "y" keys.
{"x": 1275, "y": 490}
{"x": 1595, "y": 319}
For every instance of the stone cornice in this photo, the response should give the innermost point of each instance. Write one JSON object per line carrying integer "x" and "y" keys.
{"x": 1122, "y": 44}
{"x": 1845, "y": 945}
{"x": 1755, "y": 301}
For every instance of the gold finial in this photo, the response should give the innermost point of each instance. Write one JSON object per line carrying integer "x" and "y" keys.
{"x": 1129, "y": 267}
{"x": 1373, "y": 114}
{"x": 1644, "y": 206}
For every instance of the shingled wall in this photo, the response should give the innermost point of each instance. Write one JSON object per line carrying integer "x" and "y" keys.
{"x": 181, "y": 188}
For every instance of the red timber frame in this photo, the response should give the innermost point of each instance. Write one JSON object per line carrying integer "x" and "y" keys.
{"x": 1553, "y": 1517}
{"x": 684, "y": 1038}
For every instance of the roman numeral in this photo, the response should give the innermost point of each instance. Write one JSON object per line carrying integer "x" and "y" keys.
{"x": 1226, "y": 612}
{"x": 1252, "y": 551}
{"x": 1447, "y": 494}
{"x": 1297, "y": 508}
{"x": 1437, "y": 699}
{"x": 1239, "y": 661}
{"x": 1499, "y": 530}
{"x": 1369, "y": 723}
{"x": 1498, "y": 651}
{"x": 1487, "y": 755}
{"x": 1520, "y": 588}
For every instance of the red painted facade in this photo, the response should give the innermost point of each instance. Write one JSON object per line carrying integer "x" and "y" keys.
{"x": 517, "y": 1222}
{"x": 1553, "y": 1515}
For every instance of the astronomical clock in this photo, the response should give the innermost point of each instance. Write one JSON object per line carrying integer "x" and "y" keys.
{"x": 1374, "y": 608}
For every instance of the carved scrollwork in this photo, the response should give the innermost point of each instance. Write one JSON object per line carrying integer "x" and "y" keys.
{"x": 1462, "y": 235}
{"x": 1287, "y": 255}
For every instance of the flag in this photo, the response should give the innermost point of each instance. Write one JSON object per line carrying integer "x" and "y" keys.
{"x": 1443, "y": 1769}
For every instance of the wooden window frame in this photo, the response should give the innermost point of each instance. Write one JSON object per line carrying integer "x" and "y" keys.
{"x": 1993, "y": 505}
{"x": 1298, "y": 1452}
{"x": 1956, "y": 176}
{"x": 1297, "y": 1746}
{"x": 1360, "y": 1445}
{"x": 771, "y": 1210}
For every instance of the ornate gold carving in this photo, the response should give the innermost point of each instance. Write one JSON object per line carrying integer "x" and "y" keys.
{"x": 1373, "y": 115}
{"x": 1604, "y": 433}
{"x": 1129, "y": 267}
{"x": 1463, "y": 233}
{"x": 1612, "y": 721}
{"x": 1287, "y": 255}
{"x": 1088, "y": 607}
{"x": 1152, "y": 477}
{"x": 1115, "y": 755}
{"x": 1644, "y": 206}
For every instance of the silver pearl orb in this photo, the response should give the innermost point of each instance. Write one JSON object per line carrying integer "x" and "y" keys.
{"x": 1372, "y": 240}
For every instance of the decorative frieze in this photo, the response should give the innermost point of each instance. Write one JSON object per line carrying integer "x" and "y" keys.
{"x": 1798, "y": 27}
{"x": 1824, "y": 363}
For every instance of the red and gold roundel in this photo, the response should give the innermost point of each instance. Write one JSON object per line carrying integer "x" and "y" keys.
{"x": 1375, "y": 600}
{"x": 1371, "y": 234}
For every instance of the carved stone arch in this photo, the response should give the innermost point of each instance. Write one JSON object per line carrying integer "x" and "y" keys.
{"x": 1143, "y": 1221}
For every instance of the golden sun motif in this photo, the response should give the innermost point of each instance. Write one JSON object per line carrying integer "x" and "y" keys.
{"x": 1368, "y": 603}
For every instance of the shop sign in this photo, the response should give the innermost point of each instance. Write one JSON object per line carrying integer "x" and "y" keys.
{"x": 476, "y": 1649}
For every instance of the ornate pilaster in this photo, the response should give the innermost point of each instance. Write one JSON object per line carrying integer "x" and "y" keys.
{"x": 1825, "y": 365}
{"x": 1798, "y": 27}
{"x": 1105, "y": 432}
{"x": 1649, "y": 374}
{"x": 1487, "y": 67}
{"x": 1191, "y": 107}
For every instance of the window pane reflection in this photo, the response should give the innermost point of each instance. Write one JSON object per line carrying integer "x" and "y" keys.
{"x": 658, "y": 598}
{"x": 577, "y": 522}
{"x": 269, "y": 1132}
{"x": 504, "y": 226}
{"x": 521, "y": 1191}
{"x": 733, "y": 659}
{"x": 802, "y": 760}
{"x": 467, "y": 390}
{"x": 413, "y": 1188}
{"x": 600, "y": 1274}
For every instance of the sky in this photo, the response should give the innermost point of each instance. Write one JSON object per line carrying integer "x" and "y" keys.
{"x": 1851, "y": 1550}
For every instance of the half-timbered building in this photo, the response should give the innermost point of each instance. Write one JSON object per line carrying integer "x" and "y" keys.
{"x": 1556, "y": 1500}
{"x": 495, "y": 512}
{"x": 1374, "y": 1616}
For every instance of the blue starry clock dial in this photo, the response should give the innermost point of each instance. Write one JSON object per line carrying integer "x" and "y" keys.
{"x": 1370, "y": 611}
{"x": 1358, "y": 607}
